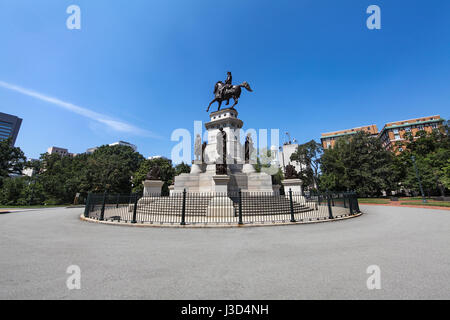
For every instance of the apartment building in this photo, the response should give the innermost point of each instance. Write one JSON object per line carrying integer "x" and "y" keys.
{"x": 329, "y": 139}
{"x": 393, "y": 134}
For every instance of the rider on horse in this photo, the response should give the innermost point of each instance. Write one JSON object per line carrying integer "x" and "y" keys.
{"x": 228, "y": 85}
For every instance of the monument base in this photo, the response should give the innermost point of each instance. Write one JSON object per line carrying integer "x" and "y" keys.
{"x": 152, "y": 187}
{"x": 220, "y": 207}
{"x": 240, "y": 171}
{"x": 295, "y": 185}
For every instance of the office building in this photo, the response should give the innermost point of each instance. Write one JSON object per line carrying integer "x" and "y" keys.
{"x": 9, "y": 127}
{"x": 61, "y": 151}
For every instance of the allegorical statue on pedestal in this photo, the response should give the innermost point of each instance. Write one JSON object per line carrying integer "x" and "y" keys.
{"x": 226, "y": 91}
{"x": 248, "y": 148}
{"x": 198, "y": 148}
{"x": 221, "y": 148}
{"x": 290, "y": 173}
{"x": 154, "y": 173}
{"x": 203, "y": 151}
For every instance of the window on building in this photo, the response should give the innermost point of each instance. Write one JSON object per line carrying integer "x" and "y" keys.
{"x": 408, "y": 129}
{"x": 400, "y": 149}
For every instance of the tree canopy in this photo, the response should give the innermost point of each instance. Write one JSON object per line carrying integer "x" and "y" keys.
{"x": 12, "y": 159}
{"x": 358, "y": 163}
{"x": 308, "y": 155}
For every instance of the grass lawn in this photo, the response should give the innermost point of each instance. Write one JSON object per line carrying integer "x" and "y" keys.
{"x": 429, "y": 203}
{"x": 373, "y": 200}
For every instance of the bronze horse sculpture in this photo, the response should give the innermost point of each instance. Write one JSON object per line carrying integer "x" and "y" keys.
{"x": 223, "y": 93}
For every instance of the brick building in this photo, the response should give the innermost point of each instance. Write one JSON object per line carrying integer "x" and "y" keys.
{"x": 329, "y": 139}
{"x": 393, "y": 134}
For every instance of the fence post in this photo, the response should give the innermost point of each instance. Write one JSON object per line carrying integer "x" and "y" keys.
{"x": 183, "y": 209}
{"x": 102, "y": 213}
{"x": 88, "y": 204}
{"x": 330, "y": 212}
{"x": 240, "y": 208}
{"x": 350, "y": 203}
{"x": 343, "y": 196}
{"x": 292, "y": 205}
{"x": 135, "y": 208}
{"x": 355, "y": 202}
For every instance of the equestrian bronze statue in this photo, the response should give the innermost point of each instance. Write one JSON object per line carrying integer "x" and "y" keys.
{"x": 226, "y": 91}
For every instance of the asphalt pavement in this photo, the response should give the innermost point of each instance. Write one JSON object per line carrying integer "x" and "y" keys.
{"x": 411, "y": 247}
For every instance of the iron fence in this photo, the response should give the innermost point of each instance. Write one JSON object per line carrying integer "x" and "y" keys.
{"x": 228, "y": 209}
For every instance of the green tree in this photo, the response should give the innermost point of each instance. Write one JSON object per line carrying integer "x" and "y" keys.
{"x": 182, "y": 168}
{"x": 359, "y": 163}
{"x": 431, "y": 151}
{"x": 308, "y": 156}
{"x": 167, "y": 174}
{"x": 110, "y": 169}
{"x": 12, "y": 159}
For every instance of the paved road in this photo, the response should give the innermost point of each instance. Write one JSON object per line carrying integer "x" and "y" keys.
{"x": 318, "y": 261}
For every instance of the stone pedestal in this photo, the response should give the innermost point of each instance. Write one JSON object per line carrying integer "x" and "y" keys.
{"x": 220, "y": 205}
{"x": 220, "y": 184}
{"x": 248, "y": 168}
{"x": 227, "y": 120}
{"x": 276, "y": 189}
{"x": 296, "y": 186}
{"x": 240, "y": 175}
{"x": 152, "y": 187}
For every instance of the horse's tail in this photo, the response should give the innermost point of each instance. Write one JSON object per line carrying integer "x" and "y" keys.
{"x": 246, "y": 86}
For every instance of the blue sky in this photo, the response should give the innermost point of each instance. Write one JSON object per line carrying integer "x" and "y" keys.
{"x": 137, "y": 70}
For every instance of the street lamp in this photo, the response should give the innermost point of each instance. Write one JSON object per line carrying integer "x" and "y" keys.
{"x": 413, "y": 158}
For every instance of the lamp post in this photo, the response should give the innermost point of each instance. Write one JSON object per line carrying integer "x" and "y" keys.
{"x": 413, "y": 158}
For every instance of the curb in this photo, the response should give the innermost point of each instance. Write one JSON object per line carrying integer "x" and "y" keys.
{"x": 404, "y": 206}
{"x": 202, "y": 226}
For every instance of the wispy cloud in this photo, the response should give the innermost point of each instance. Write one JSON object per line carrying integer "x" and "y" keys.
{"x": 111, "y": 123}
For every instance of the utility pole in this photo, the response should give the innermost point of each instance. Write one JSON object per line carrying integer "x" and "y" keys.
{"x": 413, "y": 158}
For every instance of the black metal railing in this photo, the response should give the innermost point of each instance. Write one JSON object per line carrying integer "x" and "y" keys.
{"x": 236, "y": 208}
